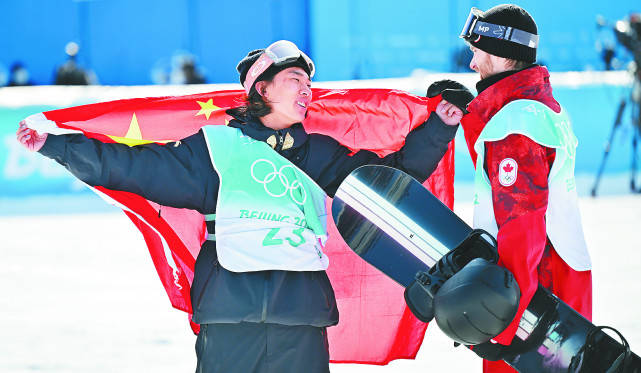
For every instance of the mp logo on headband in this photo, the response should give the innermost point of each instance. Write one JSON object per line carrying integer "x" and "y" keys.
{"x": 278, "y": 182}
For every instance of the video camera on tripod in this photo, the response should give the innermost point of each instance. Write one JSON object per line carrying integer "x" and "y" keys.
{"x": 628, "y": 34}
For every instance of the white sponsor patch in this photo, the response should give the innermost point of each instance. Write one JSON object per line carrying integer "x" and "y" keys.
{"x": 507, "y": 172}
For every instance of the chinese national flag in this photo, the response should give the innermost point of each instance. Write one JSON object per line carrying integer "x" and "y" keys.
{"x": 375, "y": 325}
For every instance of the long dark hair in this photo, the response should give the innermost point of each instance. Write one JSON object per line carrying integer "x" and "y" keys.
{"x": 255, "y": 104}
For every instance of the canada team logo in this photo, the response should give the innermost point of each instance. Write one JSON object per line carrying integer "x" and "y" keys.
{"x": 278, "y": 182}
{"x": 507, "y": 172}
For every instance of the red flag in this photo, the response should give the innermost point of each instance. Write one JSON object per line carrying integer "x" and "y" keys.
{"x": 375, "y": 325}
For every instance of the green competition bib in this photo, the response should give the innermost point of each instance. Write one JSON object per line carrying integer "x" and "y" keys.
{"x": 270, "y": 215}
{"x": 541, "y": 124}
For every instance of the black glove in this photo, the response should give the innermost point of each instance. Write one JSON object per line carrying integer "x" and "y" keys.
{"x": 490, "y": 351}
{"x": 452, "y": 92}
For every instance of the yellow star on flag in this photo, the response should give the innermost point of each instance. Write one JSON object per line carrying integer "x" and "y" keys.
{"x": 207, "y": 108}
{"x": 133, "y": 136}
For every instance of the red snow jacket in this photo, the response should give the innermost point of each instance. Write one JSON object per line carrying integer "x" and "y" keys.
{"x": 519, "y": 208}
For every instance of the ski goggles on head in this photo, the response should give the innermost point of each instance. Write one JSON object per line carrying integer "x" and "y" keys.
{"x": 474, "y": 26}
{"x": 279, "y": 53}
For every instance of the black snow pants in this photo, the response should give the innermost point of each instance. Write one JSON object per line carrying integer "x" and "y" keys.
{"x": 261, "y": 348}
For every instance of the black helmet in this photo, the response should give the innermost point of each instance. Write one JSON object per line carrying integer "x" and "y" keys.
{"x": 506, "y": 30}
{"x": 265, "y": 63}
{"x": 477, "y": 303}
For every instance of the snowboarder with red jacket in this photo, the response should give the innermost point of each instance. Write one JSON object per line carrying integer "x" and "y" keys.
{"x": 524, "y": 151}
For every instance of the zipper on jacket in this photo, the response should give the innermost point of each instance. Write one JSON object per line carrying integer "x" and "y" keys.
{"x": 263, "y": 315}
{"x": 280, "y": 139}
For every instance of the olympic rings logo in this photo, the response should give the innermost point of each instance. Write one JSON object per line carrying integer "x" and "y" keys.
{"x": 264, "y": 172}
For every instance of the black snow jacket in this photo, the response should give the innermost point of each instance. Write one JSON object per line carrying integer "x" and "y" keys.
{"x": 181, "y": 175}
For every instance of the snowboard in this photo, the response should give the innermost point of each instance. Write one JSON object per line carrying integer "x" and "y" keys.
{"x": 391, "y": 221}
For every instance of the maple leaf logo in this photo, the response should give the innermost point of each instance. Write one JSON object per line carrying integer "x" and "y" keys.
{"x": 507, "y": 172}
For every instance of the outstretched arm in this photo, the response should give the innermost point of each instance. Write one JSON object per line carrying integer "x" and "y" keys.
{"x": 177, "y": 175}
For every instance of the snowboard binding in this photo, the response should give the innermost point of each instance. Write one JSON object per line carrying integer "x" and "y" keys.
{"x": 586, "y": 362}
{"x": 471, "y": 298}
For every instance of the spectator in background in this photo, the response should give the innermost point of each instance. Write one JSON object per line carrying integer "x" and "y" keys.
{"x": 181, "y": 68}
{"x": 19, "y": 75}
{"x": 608, "y": 56}
{"x": 185, "y": 71}
{"x": 191, "y": 74}
{"x": 70, "y": 73}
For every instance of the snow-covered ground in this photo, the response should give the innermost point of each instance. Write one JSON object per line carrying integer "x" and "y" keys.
{"x": 80, "y": 294}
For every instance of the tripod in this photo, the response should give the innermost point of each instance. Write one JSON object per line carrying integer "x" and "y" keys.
{"x": 633, "y": 99}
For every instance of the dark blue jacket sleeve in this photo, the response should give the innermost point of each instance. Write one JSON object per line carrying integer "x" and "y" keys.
{"x": 423, "y": 149}
{"x": 177, "y": 174}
